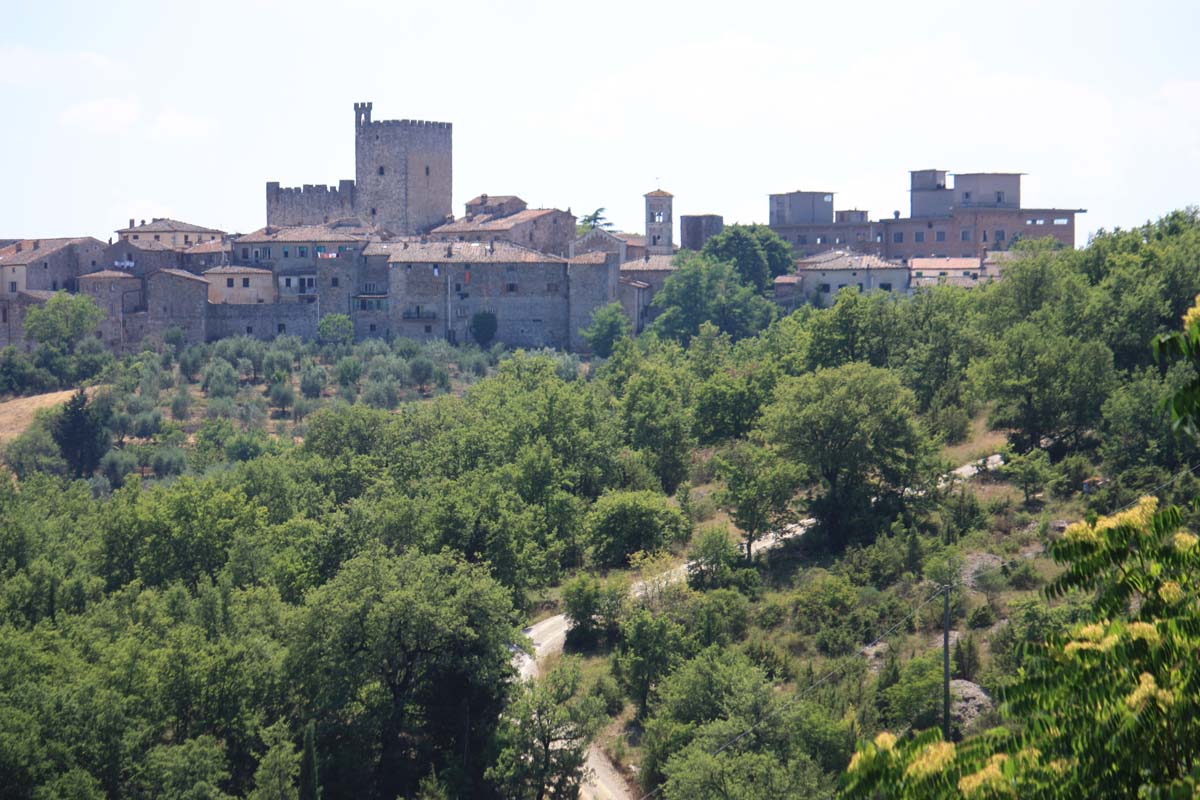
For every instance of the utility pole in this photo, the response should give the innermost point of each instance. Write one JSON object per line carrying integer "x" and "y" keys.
{"x": 946, "y": 662}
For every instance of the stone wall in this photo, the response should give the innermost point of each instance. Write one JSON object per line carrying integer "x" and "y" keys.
{"x": 309, "y": 204}
{"x": 176, "y": 300}
{"x": 264, "y": 321}
{"x": 403, "y": 170}
{"x": 593, "y": 284}
{"x": 696, "y": 229}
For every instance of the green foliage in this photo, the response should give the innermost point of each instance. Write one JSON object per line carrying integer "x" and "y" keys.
{"x": 1030, "y": 471}
{"x": 63, "y": 320}
{"x": 701, "y": 290}
{"x": 80, "y": 435}
{"x": 335, "y": 329}
{"x": 483, "y": 327}
{"x": 593, "y": 608}
{"x": 739, "y": 246}
{"x": 623, "y": 523}
{"x": 608, "y": 326}
{"x": 656, "y": 420}
{"x": 275, "y": 778}
{"x": 759, "y": 488}
{"x": 545, "y": 736}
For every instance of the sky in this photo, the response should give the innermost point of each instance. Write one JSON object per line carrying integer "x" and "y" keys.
{"x": 121, "y": 110}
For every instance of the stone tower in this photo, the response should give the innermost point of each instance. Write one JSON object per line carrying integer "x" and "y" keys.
{"x": 659, "y": 223}
{"x": 403, "y": 172}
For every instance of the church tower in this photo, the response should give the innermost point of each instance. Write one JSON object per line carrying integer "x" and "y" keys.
{"x": 659, "y": 223}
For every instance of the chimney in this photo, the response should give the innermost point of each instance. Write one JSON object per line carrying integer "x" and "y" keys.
{"x": 143, "y": 222}
{"x": 895, "y": 215}
{"x": 37, "y": 243}
{"x": 131, "y": 221}
{"x": 20, "y": 247}
{"x": 449, "y": 249}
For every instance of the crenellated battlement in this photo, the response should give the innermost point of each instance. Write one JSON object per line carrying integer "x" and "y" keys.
{"x": 343, "y": 188}
{"x": 410, "y": 123}
{"x": 310, "y": 204}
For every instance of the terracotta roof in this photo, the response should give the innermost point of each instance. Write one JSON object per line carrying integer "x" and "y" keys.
{"x": 658, "y": 193}
{"x": 9, "y": 256}
{"x": 499, "y": 252}
{"x": 307, "y": 233}
{"x": 959, "y": 264}
{"x": 492, "y": 198}
{"x": 166, "y": 225}
{"x": 108, "y": 274}
{"x": 148, "y": 244}
{"x": 211, "y": 246}
{"x": 636, "y": 239}
{"x": 598, "y": 257}
{"x": 41, "y": 295}
{"x": 788, "y": 279}
{"x": 230, "y": 270}
{"x": 845, "y": 259}
{"x": 180, "y": 273}
{"x": 487, "y": 223}
{"x": 657, "y": 263}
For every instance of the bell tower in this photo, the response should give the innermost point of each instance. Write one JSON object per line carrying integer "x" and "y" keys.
{"x": 659, "y": 223}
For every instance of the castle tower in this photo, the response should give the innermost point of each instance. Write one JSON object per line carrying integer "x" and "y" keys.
{"x": 659, "y": 223}
{"x": 402, "y": 172}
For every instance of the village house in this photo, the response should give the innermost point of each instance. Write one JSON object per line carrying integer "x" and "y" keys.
{"x": 177, "y": 235}
{"x": 506, "y": 218}
{"x": 824, "y": 275}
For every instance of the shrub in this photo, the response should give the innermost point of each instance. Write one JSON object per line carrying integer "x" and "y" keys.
{"x": 622, "y": 523}
{"x": 312, "y": 381}
{"x": 147, "y": 424}
{"x": 483, "y": 327}
{"x": 982, "y": 617}
{"x": 181, "y": 404}
{"x": 220, "y": 379}
{"x": 421, "y": 371}
{"x": 1024, "y": 576}
{"x": 117, "y": 464}
{"x": 381, "y": 394}
{"x": 282, "y": 394}
{"x": 348, "y": 371}
{"x": 168, "y": 461}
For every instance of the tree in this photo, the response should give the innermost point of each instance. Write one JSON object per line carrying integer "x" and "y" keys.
{"x": 596, "y": 219}
{"x": 545, "y": 737}
{"x": 759, "y": 487}
{"x": 853, "y": 429}
{"x": 421, "y": 370}
{"x": 310, "y": 779}
{"x": 335, "y": 329}
{"x": 657, "y": 421}
{"x": 312, "y": 381}
{"x": 737, "y": 245}
{"x": 483, "y": 327}
{"x": 592, "y": 607}
{"x": 651, "y": 644}
{"x": 701, "y": 290}
{"x": 404, "y": 662}
{"x": 80, "y": 436}
{"x": 712, "y": 559}
{"x": 609, "y": 325}
{"x": 63, "y": 320}
{"x": 622, "y": 523}
{"x": 1030, "y": 471}
{"x": 275, "y": 778}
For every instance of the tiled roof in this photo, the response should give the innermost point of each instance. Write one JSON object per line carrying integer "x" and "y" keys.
{"x": 635, "y": 239}
{"x": 180, "y": 273}
{"x": 500, "y": 252}
{"x": 959, "y": 264}
{"x": 658, "y": 263}
{"x": 486, "y": 223}
{"x": 307, "y": 233}
{"x": 658, "y": 193}
{"x": 788, "y": 279}
{"x": 107, "y": 274}
{"x": 492, "y": 198}
{"x": 166, "y": 225}
{"x": 148, "y": 244}
{"x": 211, "y": 246}
{"x": 230, "y": 270}
{"x": 598, "y": 257}
{"x": 9, "y": 256}
{"x": 845, "y": 259}
{"x": 41, "y": 295}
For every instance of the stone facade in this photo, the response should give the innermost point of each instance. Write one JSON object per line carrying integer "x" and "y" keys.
{"x": 141, "y": 257}
{"x": 981, "y": 213}
{"x": 696, "y": 229}
{"x": 237, "y": 285}
{"x": 170, "y": 232}
{"x": 48, "y": 264}
{"x": 507, "y": 219}
{"x": 117, "y": 294}
{"x": 175, "y": 298}
{"x": 264, "y": 321}
{"x": 403, "y": 180}
{"x": 659, "y": 223}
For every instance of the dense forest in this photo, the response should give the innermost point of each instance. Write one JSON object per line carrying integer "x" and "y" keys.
{"x": 291, "y": 570}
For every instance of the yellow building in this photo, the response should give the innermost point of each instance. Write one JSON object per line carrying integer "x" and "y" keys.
{"x": 177, "y": 235}
{"x": 240, "y": 285}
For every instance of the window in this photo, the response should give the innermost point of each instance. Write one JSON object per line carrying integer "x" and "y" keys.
{"x": 887, "y": 287}
{"x": 429, "y": 329}
{"x": 245, "y": 252}
{"x": 285, "y": 252}
{"x": 898, "y": 237}
{"x": 965, "y": 235}
{"x": 966, "y": 273}
{"x": 381, "y": 170}
{"x": 185, "y": 239}
{"x": 256, "y": 256}
{"x": 658, "y": 216}
{"x": 156, "y": 237}
{"x": 426, "y": 170}
{"x": 551, "y": 288}
{"x": 12, "y": 286}
{"x": 966, "y": 197}
{"x": 1059, "y": 221}
{"x": 918, "y": 274}
{"x": 919, "y": 237}
{"x": 1000, "y": 235}
{"x": 820, "y": 240}
{"x": 999, "y": 197}
{"x": 266, "y": 252}
{"x": 458, "y": 287}
{"x": 245, "y": 283}
{"x": 249, "y": 330}
{"x": 983, "y": 235}
{"x": 372, "y": 212}
{"x": 287, "y": 283}
{"x": 281, "y": 328}
{"x": 511, "y": 288}
{"x": 801, "y": 239}
{"x": 302, "y": 252}
{"x": 372, "y": 327}
{"x": 939, "y": 236}
{"x": 860, "y": 286}
{"x": 229, "y": 283}
{"x": 823, "y": 288}
{"x": 333, "y": 282}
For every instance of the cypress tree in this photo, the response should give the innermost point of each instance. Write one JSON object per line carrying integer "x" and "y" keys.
{"x": 80, "y": 436}
{"x": 310, "y": 783}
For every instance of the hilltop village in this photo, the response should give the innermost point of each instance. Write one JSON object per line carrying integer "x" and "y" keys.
{"x": 386, "y": 250}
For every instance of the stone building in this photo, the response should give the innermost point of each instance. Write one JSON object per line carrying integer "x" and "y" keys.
{"x": 47, "y": 264}
{"x": 823, "y": 276}
{"x": 506, "y": 218}
{"x": 403, "y": 172}
{"x": 177, "y": 299}
{"x": 177, "y": 235}
{"x": 117, "y": 294}
{"x": 696, "y": 229}
{"x": 659, "y": 223}
{"x": 141, "y": 256}
{"x": 240, "y": 285}
{"x": 539, "y": 300}
{"x": 626, "y": 246}
{"x": 980, "y": 213}
{"x": 215, "y": 253}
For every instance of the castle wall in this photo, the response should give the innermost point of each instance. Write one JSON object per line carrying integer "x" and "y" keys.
{"x": 264, "y": 321}
{"x": 414, "y": 192}
{"x": 309, "y": 204}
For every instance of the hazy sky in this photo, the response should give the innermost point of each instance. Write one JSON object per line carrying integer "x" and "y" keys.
{"x": 117, "y": 110}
